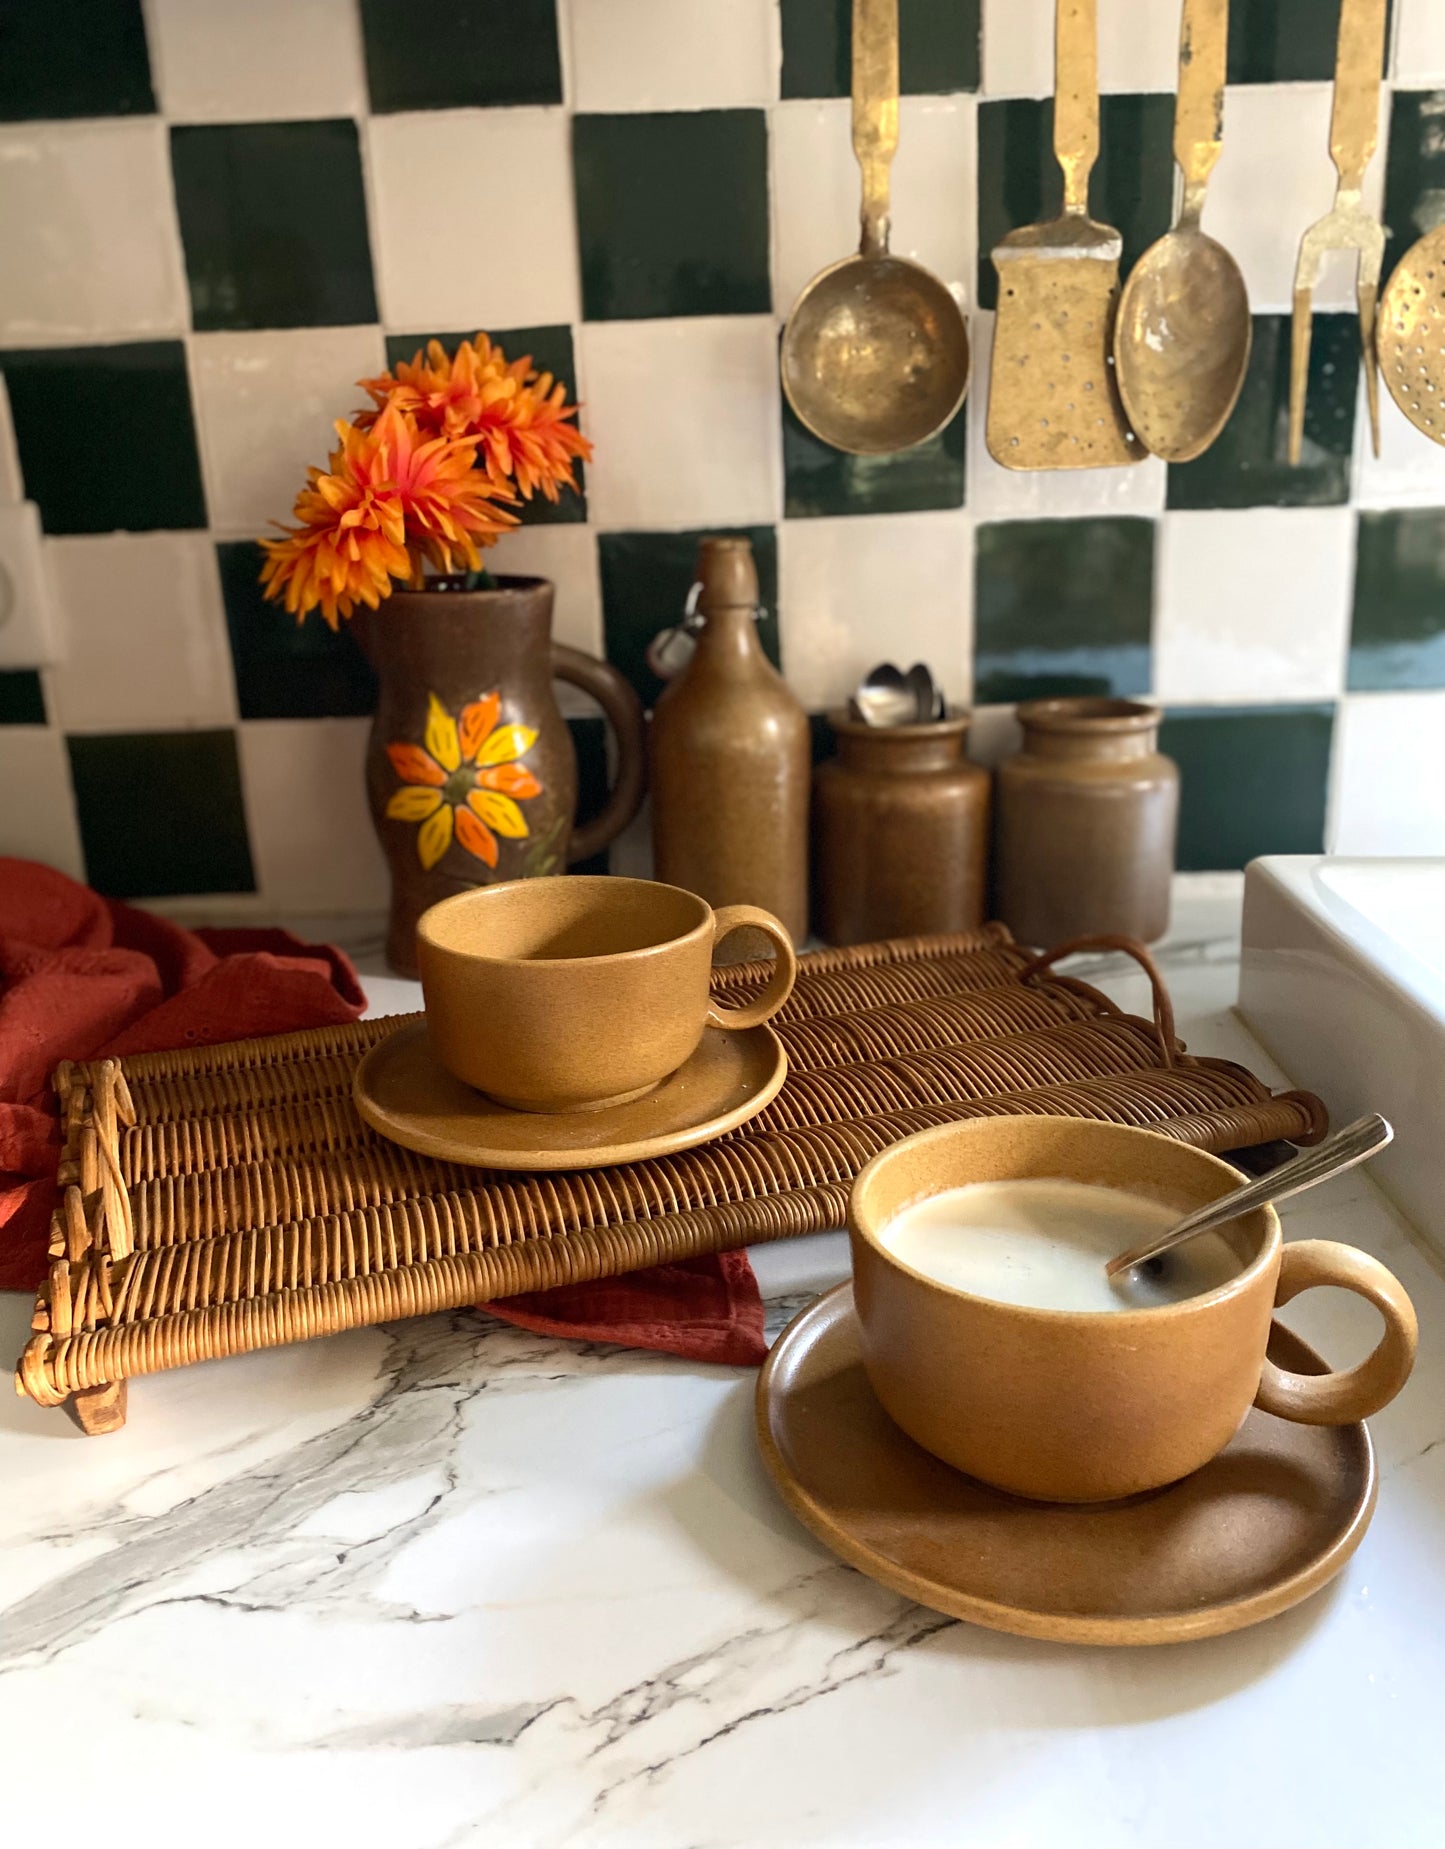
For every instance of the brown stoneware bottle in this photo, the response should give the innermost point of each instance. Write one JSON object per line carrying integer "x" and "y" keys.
{"x": 1087, "y": 813}
{"x": 900, "y": 832}
{"x": 730, "y": 762}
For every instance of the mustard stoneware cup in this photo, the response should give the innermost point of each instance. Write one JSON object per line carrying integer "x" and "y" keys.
{"x": 581, "y": 991}
{"x": 1088, "y": 1406}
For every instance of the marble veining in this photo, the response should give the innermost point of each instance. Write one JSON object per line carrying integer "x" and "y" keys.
{"x": 449, "y": 1583}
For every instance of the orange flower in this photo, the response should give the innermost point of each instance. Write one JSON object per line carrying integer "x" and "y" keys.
{"x": 464, "y": 781}
{"x": 391, "y": 497}
{"x": 518, "y": 418}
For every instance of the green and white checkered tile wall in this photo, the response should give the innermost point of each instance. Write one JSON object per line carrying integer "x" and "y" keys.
{"x": 216, "y": 219}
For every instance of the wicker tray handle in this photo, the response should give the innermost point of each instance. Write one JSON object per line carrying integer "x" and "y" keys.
{"x": 1131, "y": 947}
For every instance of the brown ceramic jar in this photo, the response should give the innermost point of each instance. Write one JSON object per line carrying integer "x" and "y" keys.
{"x": 1087, "y": 814}
{"x": 731, "y": 756}
{"x": 900, "y": 832}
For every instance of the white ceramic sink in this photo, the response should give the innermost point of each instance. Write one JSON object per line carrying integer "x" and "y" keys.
{"x": 1343, "y": 979}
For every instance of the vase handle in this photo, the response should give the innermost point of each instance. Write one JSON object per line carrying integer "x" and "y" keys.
{"x": 615, "y": 696}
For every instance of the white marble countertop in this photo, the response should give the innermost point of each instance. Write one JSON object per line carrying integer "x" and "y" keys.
{"x": 447, "y": 1583}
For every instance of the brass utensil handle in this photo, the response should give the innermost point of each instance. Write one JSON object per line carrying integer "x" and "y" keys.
{"x": 1359, "y": 68}
{"x": 1199, "y": 111}
{"x": 1076, "y": 97}
{"x": 875, "y": 113}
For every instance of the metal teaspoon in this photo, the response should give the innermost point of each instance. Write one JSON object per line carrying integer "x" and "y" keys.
{"x": 1356, "y": 1143}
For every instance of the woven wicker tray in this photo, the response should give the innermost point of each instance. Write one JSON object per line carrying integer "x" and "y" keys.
{"x": 229, "y": 1198}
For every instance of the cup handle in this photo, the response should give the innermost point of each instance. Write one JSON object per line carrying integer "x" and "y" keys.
{"x": 1341, "y": 1397}
{"x": 780, "y": 984}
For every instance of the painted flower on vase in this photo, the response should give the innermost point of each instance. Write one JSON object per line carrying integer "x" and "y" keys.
{"x": 464, "y": 782}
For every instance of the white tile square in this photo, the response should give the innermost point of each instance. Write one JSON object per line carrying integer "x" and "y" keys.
{"x": 1274, "y": 179}
{"x": 568, "y": 556}
{"x": 994, "y": 733}
{"x": 472, "y": 218}
{"x": 312, "y": 840}
{"x": 266, "y": 61}
{"x": 1419, "y": 43}
{"x": 997, "y": 493}
{"x": 816, "y": 190}
{"x": 1253, "y": 607}
{"x": 1389, "y": 796}
{"x": 699, "y": 54}
{"x": 853, "y": 592}
{"x": 29, "y": 634}
{"x": 1018, "y": 47}
{"x": 145, "y": 633}
{"x": 37, "y": 818}
{"x": 685, "y": 418}
{"x": 1410, "y": 468}
{"x": 1138, "y": 46}
{"x": 88, "y": 229}
{"x": 265, "y": 405}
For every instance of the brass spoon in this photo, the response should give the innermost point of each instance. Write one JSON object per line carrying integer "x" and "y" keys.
{"x": 875, "y": 353}
{"x": 1356, "y": 1143}
{"x": 1181, "y": 340}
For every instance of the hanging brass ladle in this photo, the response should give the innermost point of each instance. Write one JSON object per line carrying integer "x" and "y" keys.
{"x": 1182, "y": 334}
{"x": 875, "y": 354}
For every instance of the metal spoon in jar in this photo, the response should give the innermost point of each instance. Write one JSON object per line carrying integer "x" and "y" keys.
{"x": 1356, "y": 1143}
{"x": 883, "y": 697}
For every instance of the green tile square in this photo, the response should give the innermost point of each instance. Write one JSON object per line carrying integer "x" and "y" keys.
{"x": 161, "y": 813}
{"x": 589, "y": 740}
{"x": 273, "y": 220}
{"x": 285, "y": 669}
{"x": 135, "y": 467}
{"x": 672, "y": 213}
{"x": 1285, "y": 41}
{"x": 1252, "y": 780}
{"x": 551, "y": 351}
{"x": 22, "y": 699}
{"x": 1414, "y": 171}
{"x": 1248, "y": 464}
{"x": 1062, "y": 607}
{"x": 1131, "y": 187}
{"x": 62, "y": 58}
{"x": 1397, "y": 631}
{"x": 458, "y": 54}
{"x": 822, "y": 480}
{"x": 938, "y": 47}
{"x": 645, "y": 581}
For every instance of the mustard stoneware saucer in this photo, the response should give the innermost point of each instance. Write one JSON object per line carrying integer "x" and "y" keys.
{"x": 405, "y": 1093}
{"x": 1272, "y": 1519}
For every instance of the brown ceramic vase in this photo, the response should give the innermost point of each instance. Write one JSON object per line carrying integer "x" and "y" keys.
{"x": 470, "y": 769}
{"x": 1087, "y": 814}
{"x": 900, "y": 832}
{"x": 1087, "y": 1406}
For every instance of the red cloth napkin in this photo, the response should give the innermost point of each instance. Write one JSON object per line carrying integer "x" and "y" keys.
{"x": 83, "y": 977}
{"x": 708, "y": 1309}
